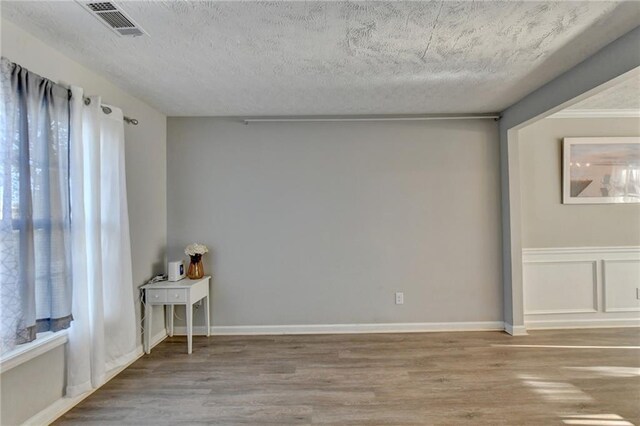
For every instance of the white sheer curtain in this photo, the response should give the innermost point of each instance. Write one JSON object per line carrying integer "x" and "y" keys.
{"x": 103, "y": 335}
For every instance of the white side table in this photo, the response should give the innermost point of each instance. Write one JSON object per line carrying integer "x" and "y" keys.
{"x": 184, "y": 292}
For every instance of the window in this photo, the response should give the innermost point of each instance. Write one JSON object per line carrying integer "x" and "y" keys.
{"x": 35, "y": 238}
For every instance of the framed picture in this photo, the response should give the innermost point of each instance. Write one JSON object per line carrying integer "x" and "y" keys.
{"x": 601, "y": 170}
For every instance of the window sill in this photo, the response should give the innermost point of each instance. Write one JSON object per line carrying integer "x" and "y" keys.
{"x": 22, "y": 353}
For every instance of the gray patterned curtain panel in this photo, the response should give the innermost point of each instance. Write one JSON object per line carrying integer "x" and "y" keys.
{"x": 35, "y": 243}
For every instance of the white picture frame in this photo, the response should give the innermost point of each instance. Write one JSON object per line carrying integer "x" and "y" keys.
{"x": 601, "y": 170}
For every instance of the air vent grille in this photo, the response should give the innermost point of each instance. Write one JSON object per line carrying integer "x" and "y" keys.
{"x": 116, "y": 20}
{"x": 101, "y": 7}
{"x": 112, "y": 15}
{"x": 130, "y": 32}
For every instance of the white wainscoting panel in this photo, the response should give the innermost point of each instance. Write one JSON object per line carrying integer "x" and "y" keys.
{"x": 621, "y": 279}
{"x": 581, "y": 287}
{"x": 560, "y": 287}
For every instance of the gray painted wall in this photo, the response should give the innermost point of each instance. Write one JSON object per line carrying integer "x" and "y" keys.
{"x": 546, "y": 222}
{"x": 146, "y": 187}
{"x": 615, "y": 59}
{"x": 320, "y": 223}
{"x": 31, "y": 387}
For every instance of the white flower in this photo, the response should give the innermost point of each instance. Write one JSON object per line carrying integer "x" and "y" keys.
{"x": 195, "y": 248}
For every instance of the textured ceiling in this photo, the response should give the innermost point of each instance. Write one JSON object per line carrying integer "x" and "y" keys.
{"x": 624, "y": 95}
{"x": 307, "y": 58}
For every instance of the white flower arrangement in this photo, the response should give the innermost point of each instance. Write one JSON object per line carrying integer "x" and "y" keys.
{"x": 196, "y": 249}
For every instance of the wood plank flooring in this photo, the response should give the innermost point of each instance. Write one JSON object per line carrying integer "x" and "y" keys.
{"x": 588, "y": 377}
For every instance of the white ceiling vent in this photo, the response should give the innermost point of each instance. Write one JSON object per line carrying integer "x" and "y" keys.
{"x": 112, "y": 15}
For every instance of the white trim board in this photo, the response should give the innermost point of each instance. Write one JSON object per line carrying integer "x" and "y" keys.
{"x": 64, "y": 404}
{"x": 596, "y": 113}
{"x": 515, "y": 330}
{"x": 530, "y": 254}
{"x": 417, "y": 327}
{"x": 28, "y": 351}
{"x": 582, "y": 323}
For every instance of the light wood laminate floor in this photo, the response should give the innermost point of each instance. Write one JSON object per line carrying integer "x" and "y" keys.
{"x": 580, "y": 377}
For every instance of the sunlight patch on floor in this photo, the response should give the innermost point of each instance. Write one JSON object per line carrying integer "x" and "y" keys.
{"x": 609, "y": 371}
{"x": 596, "y": 420}
{"x": 565, "y": 346}
{"x": 556, "y": 391}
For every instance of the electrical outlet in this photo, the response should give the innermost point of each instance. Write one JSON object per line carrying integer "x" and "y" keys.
{"x": 638, "y": 293}
{"x": 399, "y": 298}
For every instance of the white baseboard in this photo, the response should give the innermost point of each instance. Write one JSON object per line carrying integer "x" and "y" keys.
{"x": 515, "y": 330}
{"x": 55, "y": 410}
{"x": 582, "y": 323}
{"x": 61, "y": 406}
{"x": 418, "y": 327}
{"x": 158, "y": 338}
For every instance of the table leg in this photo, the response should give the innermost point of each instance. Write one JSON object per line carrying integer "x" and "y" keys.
{"x": 148, "y": 309}
{"x": 189, "y": 326}
{"x": 170, "y": 320}
{"x": 207, "y": 313}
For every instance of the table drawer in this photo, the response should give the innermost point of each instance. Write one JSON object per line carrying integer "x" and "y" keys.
{"x": 176, "y": 296}
{"x": 156, "y": 296}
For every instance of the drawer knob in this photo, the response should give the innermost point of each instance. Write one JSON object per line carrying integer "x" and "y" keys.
{"x": 156, "y": 296}
{"x": 177, "y": 296}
